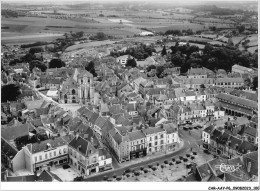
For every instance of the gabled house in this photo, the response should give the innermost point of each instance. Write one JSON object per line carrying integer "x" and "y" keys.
{"x": 120, "y": 143}
{"x": 138, "y": 145}
{"x": 206, "y": 135}
{"x": 155, "y": 139}
{"x": 83, "y": 156}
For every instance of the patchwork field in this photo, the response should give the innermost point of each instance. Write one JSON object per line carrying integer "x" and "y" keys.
{"x": 237, "y": 39}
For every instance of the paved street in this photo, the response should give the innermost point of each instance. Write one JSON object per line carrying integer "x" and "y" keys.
{"x": 190, "y": 141}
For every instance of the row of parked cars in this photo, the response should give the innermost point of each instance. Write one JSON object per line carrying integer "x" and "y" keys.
{"x": 191, "y": 127}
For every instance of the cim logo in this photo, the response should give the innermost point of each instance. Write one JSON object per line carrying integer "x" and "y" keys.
{"x": 228, "y": 168}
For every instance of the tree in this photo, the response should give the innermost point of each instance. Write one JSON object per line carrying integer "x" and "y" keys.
{"x": 37, "y": 64}
{"x": 202, "y": 86}
{"x": 154, "y": 169}
{"x": 114, "y": 176}
{"x": 162, "y": 167}
{"x": 131, "y": 63}
{"x": 159, "y": 71}
{"x": 56, "y": 63}
{"x": 91, "y": 68}
{"x": 255, "y": 83}
{"x": 118, "y": 178}
{"x": 136, "y": 173}
{"x": 10, "y": 92}
{"x": 66, "y": 35}
{"x": 230, "y": 42}
{"x": 35, "y": 50}
{"x": 145, "y": 171}
{"x": 80, "y": 34}
{"x": 164, "y": 52}
{"x": 241, "y": 28}
{"x": 170, "y": 164}
{"x": 177, "y": 59}
{"x": 100, "y": 36}
{"x": 213, "y": 28}
{"x": 14, "y": 62}
{"x": 105, "y": 177}
{"x": 28, "y": 58}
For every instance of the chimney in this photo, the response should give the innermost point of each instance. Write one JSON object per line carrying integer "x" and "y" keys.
{"x": 5, "y": 175}
{"x": 249, "y": 167}
{"x": 236, "y": 146}
{"x": 79, "y": 148}
{"x": 229, "y": 143}
{"x": 222, "y": 131}
{"x": 48, "y": 146}
{"x": 77, "y": 136}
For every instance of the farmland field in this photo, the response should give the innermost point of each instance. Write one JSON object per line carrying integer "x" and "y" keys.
{"x": 183, "y": 26}
{"x": 237, "y": 39}
{"x": 253, "y": 40}
{"x": 194, "y": 38}
{"x": 252, "y": 49}
{"x": 20, "y": 26}
{"x": 90, "y": 44}
{"x": 20, "y": 39}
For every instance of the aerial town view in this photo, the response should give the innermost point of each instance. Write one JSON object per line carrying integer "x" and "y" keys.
{"x": 121, "y": 91}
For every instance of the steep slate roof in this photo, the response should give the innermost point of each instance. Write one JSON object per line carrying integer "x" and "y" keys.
{"x": 93, "y": 118}
{"x": 231, "y": 178}
{"x": 12, "y": 132}
{"x": 238, "y": 100}
{"x": 170, "y": 128}
{"x": 47, "y": 176}
{"x": 241, "y": 171}
{"x": 250, "y": 131}
{"x": 41, "y": 146}
{"x": 195, "y": 107}
{"x": 246, "y": 146}
{"x": 234, "y": 141}
{"x": 153, "y": 130}
{"x": 251, "y": 158}
{"x": 135, "y": 135}
{"x": 85, "y": 146}
{"x": 223, "y": 138}
{"x": 247, "y": 95}
{"x": 214, "y": 165}
{"x": 8, "y": 149}
{"x": 30, "y": 105}
{"x": 100, "y": 121}
{"x": 204, "y": 170}
{"x": 216, "y": 134}
{"x": 115, "y": 109}
{"x": 209, "y": 129}
{"x": 154, "y": 91}
{"x": 104, "y": 107}
{"x": 226, "y": 80}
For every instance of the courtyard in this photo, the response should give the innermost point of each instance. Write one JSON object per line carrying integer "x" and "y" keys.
{"x": 66, "y": 175}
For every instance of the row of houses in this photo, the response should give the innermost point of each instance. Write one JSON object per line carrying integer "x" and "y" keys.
{"x": 128, "y": 140}
{"x": 67, "y": 141}
{"x": 213, "y": 171}
{"x": 230, "y": 142}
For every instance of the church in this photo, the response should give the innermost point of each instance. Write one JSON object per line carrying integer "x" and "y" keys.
{"x": 79, "y": 88}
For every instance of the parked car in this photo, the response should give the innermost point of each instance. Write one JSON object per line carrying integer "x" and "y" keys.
{"x": 66, "y": 166}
